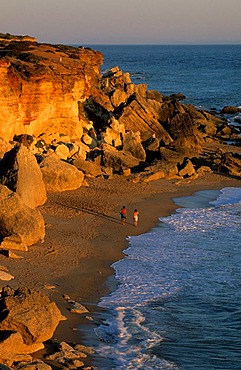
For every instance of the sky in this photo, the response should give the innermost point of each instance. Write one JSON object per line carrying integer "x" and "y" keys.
{"x": 86, "y": 22}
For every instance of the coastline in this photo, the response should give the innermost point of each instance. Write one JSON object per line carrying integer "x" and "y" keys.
{"x": 84, "y": 237}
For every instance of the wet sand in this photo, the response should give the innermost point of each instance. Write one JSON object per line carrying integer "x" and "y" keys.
{"x": 84, "y": 237}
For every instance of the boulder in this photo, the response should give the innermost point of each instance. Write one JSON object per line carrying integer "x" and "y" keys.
{"x": 203, "y": 169}
{"x": 140, "y": 116}
{"x": 141, "y": 89}
{"x": 170, "y": 170}
{"x": 170, "y": 156}
{"x": 5, "y": 276}
{"x": 18, "y": 220}
{"x": 230, "y": 110}
{"x": 225, "y": 131}
{"x": 154, "y": 95}
{"x": 111, "y": 72}
{"x": 152, "y": 147}
{"x": 177, "y": 96}
{"x": 27, "y": 319}
{"x": 119, "y": 160}
{"x": 115, "y": 125}
{"x": 13, "y": 349}
{"x": 59, "y": 175}
{"x": 4, "y": 147}
{"x": 118, "y": 97}
{"x": 14, "y": 242}
{"x": 230, "y": 163}
{"x": 187, "y": 137}
{"x": 112, "y": 137}
{"x": 33, "y": 365}
{"x": 126, "y": 78}
{"x": 132, "y": 143}
{"x": 20, "y": 172}
{"x": 152, "y": 175}
{"x": 62, "y": 151}
{"x": 186, "y": 169}
{"x": 80, "y": 151}
{"x": 87, "y": 140}
{"x": 167, "y": 111}
{"x": 87, "y": 167}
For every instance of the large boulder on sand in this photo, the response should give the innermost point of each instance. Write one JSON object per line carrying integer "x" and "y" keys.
{"x": 20, "y": 172}
{"x": 119, "y": 160}
{"x": 27, "y": 319}
{"x": 89, "y": 168}
{"x": 59, "y": 175}
{"x": 18, "y": 220}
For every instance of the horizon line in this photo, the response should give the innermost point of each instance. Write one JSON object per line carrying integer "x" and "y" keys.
{"x": 161, "y": 44}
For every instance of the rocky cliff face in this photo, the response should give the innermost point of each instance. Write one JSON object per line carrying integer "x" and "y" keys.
{"x": 43, "y": 87}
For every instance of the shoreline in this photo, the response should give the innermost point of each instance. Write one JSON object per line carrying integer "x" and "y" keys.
{"x": 84, "y": 237}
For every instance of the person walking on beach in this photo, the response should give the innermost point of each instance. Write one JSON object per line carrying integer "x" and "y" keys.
{"x": 135, "y": 217}
{"x": 123, "y": 214}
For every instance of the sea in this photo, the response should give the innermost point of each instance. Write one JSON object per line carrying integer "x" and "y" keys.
{"x": 177, "y": 301}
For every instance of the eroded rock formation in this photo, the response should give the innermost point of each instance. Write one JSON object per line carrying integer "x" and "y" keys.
{"x": 27, "y": 319}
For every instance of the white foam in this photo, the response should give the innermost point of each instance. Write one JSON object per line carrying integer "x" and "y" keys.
{"x": 228, "y": 196}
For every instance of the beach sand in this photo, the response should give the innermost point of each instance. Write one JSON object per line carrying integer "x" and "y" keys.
{"x": 84, "y": 237}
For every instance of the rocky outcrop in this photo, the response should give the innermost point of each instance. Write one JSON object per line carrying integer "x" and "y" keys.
{"x": 59, "y": 97}
{"x": 27, "y": 319}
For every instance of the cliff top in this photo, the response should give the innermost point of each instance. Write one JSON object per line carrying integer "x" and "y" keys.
{"x": 28, "y": 58}
{"x": 8, "y": 37}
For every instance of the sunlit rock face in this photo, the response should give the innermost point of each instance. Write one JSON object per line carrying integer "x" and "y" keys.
{"x": 43, "y": 87}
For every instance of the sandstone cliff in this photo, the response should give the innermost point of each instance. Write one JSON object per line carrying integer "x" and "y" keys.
{"x": 43, "y": 87}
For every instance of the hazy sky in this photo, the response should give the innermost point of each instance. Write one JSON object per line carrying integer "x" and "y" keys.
{"x": 123, "y": 21}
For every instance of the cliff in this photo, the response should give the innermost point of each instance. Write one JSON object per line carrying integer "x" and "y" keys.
{"x": 43, "y": 87}
{"x": 55, "y": 98}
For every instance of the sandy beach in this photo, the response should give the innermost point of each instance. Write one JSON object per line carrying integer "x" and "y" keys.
{"x": 84, "y": 237}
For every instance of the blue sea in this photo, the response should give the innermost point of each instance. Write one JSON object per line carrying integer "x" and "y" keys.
{"x": 177, "y": 304}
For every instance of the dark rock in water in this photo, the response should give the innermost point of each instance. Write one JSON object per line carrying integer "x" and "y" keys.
{"x": 154, "y": 95}
{"x": 230, "y": 110}
{"x": 237, "y": 119}
{"x": 177, "y": 96}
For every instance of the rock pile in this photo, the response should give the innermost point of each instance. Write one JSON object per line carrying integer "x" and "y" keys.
{"x": 27, "y": 319}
